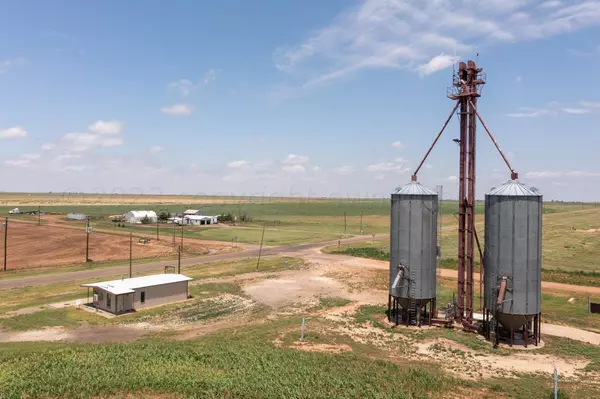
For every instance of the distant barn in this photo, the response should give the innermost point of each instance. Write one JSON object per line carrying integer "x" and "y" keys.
{"x": 136, "y": 217}
{"x": 76, "y": 216}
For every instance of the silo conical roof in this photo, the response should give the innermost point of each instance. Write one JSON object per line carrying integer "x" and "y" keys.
{"x": 414, "y": 188}
{"x": 514, "y": 188}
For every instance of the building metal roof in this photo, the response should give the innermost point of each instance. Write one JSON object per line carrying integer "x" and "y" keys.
{"x": 514, "y": 188}
{"x": 414, "y": 188}
{"x": 141, "y": 214}
{"x": 191, "y": 212}
{"x": 128, "y": 285}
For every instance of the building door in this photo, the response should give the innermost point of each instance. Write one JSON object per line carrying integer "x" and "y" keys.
{"x": 120, "y": 299}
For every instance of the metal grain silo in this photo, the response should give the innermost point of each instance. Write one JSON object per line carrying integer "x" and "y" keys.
{"x": 513, "y": 262}
{"x": 413, "y": 252}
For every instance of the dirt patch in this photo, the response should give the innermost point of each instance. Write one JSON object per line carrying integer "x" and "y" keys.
{"x": 323, "y": 348}
{"x": 82, "y": 334}
{"x": 592, "y": 231}
{"x": 32, "y": 246}
{"x": 277, "y": 292}
{"x": 469, "y": 363}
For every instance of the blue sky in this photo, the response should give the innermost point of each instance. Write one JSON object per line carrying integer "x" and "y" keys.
{"x": 327, "y": 98}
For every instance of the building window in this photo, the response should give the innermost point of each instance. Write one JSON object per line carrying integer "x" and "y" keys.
{"x": 108, "y": 298}
{"x": 143, "y": 295}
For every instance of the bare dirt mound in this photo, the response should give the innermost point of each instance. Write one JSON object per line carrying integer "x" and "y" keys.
{"x": 276, "y": 292}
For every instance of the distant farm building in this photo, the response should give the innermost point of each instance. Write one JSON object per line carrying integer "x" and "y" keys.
{"x": 130, "y": 294}
{"x": 203, "y": 220}
{"x": 15, "y": 211}
{"x": 193, "y": 212}
{"x": 138, "y": 216}
{"x": 76, "y": 216}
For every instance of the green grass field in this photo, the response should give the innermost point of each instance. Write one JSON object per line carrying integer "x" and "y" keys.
{"x": 246, "y": 363}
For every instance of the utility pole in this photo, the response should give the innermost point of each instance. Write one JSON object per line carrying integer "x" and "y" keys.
{"x": 173, "y": 232}
{"x": 5, "y": 240}
{"x": 87, "y": 239}
{"x": 130, "y": 253}
{"x": 361, "y": 215}
{"x": 345, "y": 225}
{"x": 39, "y": 215}
{"x": 157, "y": 239}
{"x": 179, "y": 260}
{"x": 181, "y": 235}
{"x": 261, "y": 245}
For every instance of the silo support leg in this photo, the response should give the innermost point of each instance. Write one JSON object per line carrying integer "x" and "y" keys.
{"x": 389, "y": 308}
{"x": 396, "y": 307}
{"x": 526, "y": 333}
{"x": 512, "y": 336}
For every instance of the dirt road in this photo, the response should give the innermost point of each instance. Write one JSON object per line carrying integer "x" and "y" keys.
{"x": 123, "y": 269}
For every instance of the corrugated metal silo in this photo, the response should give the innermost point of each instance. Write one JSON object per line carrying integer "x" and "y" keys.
{"x": 513, "y": 259}
{"x": 413, "y": 251}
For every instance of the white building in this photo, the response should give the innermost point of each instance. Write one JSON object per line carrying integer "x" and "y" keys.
{"x": 200, "y": 220}
{"x": 76, "y": 216}
{"x": 191, "y": 212}
{"x": 126, "y": 295}
{"x": 15, "y": 211}
{"x": 137, "y": 216}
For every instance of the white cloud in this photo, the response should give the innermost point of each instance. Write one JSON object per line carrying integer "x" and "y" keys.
{"x": 293, "y": 159}
{"x": 17, "y": 132}
{"x": 238, "y": 164}
{"x": 75, "y": 168}
{"x": 80, "y": 142}
{"x": 387, "y": 167}
{"x": 316, "y": 168}
{"x": 555, "y": 107}
{"x": 106, "y": 127}
{"x": 48, "y": 146}
{"x": 379, "y": 177}
{"x": 5, "y": 65}
{"x": 589, "y": 104}
{"x": 23, "y": 161}
{"x": 403, "y": 34}
{"x": 551, "y": 4}
{"x": 293, "y": 168}
{"x": 186, "y": 86}
{"x": 452, "y": 178}
{"x": 177, "y": 109}
{"x": 68, "y": 156}
{"x": 526, "y": 112}
{"x": 437, "y": 63}
{"x": 579, "y": 53}
{"x": 344, "y": 170}
{"x": 397, "y": 144}
{"x": 551, "y": 175}
{"x": 576, "y": 111}
{"x": 428, "y": 166}
{"x": 156, "y": 148}
{"x": 209, "y": 76}
{"x": 183, "y": 86}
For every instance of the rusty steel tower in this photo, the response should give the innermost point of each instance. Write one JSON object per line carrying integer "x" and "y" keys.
{"x": 467, "y": 84}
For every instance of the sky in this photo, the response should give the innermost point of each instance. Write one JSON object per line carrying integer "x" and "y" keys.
{"x": 334, "y": 98}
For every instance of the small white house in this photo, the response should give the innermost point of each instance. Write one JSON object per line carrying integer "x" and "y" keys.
{"x": 137, "y": 216}
{"x": 130, "y": 294}
{"x": 199, "y": 220}
{"x": 15, "y": 211}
